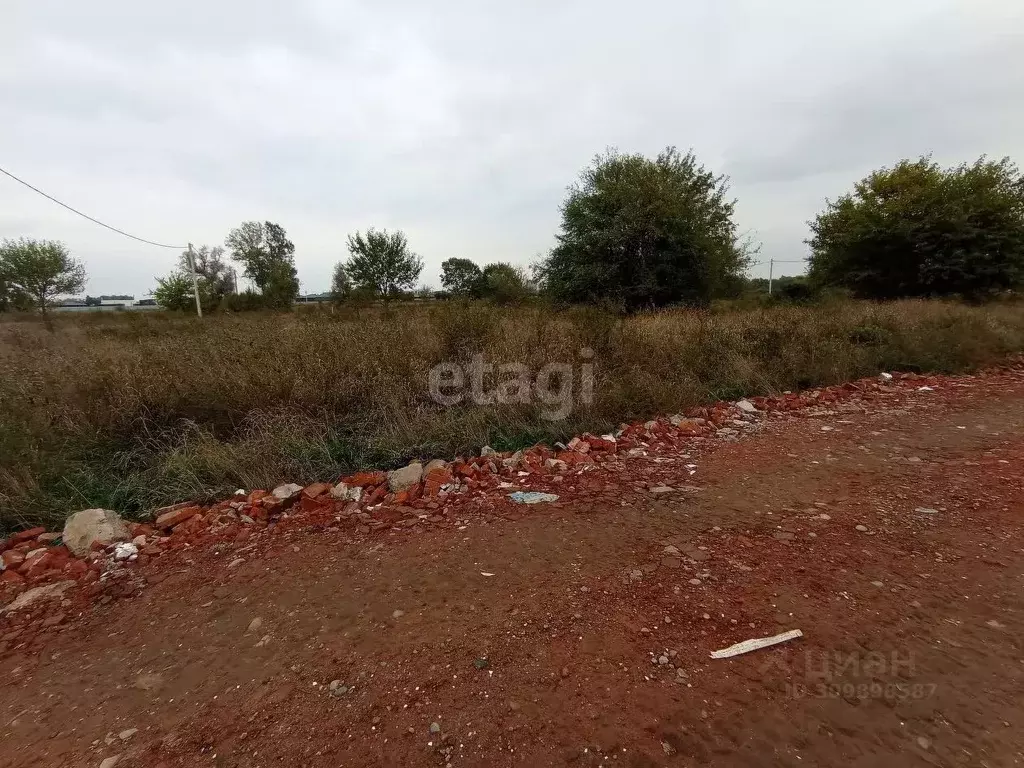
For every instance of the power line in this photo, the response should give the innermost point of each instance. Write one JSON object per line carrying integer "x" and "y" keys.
{"x": 90, "y": 218}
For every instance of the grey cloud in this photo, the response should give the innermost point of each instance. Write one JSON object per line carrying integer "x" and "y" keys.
{"x": 463, "y": 122}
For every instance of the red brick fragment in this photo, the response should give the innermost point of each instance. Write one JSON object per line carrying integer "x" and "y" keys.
{"x": 365, "y": 479}
{"x": 176, "y": 516}
{"x": 28, "y": 535}
{"x": 316, "y": 489}
{"x": 378, "y": 493}
{"x": 12, "y": 558}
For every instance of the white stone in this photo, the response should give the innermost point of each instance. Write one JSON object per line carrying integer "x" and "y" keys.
{"x": 746, "y": 406}
{"x": 125, "y": 551}
{"x": 89, "y": 525}
{"x": 287, "y": 491}
{"x": 405, "y": 478}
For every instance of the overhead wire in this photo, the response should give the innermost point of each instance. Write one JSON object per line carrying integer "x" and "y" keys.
{"x": 90, "y": 218}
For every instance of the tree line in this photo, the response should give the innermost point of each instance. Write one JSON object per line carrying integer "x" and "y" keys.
{"x": 636, "y": 233}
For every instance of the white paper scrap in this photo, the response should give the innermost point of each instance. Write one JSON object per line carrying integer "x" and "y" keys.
{"x": 756, "y": 644}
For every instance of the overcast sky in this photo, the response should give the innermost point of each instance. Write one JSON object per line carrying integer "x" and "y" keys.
{"x": 463, "y": 121}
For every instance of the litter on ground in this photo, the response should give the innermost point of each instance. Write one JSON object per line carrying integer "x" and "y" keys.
{"x": 756, "y": 644}
{"x": 532, "y": 497}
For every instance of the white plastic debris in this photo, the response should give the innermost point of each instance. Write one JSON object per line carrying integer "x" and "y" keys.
{"x": 485, "y": 573}
{"x": 532, "y": 497}
{"x": 756, "y": 644}
{"x": 885, "y": 376}
{"x": 925, "y": 389}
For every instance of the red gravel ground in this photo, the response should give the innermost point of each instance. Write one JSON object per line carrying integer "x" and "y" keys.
{"x": 886, "y": 526}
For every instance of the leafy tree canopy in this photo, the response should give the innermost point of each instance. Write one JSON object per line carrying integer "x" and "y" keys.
{"x": 643, "y": 233}
{"x": 921, "y": 230}
{"x": 504, "y": 283}
{"x": 381, "y": 262}
{"x": 40, "y": 269}
{"x": 268, "y": 257}
{"x": 461, "y": 277}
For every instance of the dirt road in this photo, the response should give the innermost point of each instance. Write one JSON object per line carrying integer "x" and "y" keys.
{"x": 887, "y": 529}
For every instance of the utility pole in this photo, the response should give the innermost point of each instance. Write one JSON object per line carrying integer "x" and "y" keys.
{"x": 771, "y": 271}
{"x": 195, "y": 280}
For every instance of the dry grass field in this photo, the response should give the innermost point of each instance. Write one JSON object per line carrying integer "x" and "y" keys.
{"x": 128, "y": 411}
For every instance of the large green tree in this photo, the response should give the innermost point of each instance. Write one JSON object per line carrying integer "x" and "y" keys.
{"x": 40, "y": 269}
{"x": 504, "y": 283}
{"x": 462, "y": 278}
{"x": 268, "y": 257}
{"x": 643, "y": 233}
{"x": 381, "y": 262}
{"x": 918, "y": 229}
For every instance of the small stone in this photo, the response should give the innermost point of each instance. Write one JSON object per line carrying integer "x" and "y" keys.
{"x": 110, "y": 762}
{"x": 287, "y": 492}
{"x": 397, "y": 614}
{"x": 670, "y": 550}
{"x": 746, "y": 406}
{"x": 125, "y": 551}
{"x": 663, "y": 660}
{"x": 662, "y": 489}
{"x": 696, "y": 582}
{"x": 405, "y": 478}
{"x": 565, "y": 671}
{"x": 924, "y": 742}
{"x": 254, "y": 625}
{"x": 862, "y": 528}
{"x": 877, "y": 584}
{"x": 644, "y": 631}
{"x": 127, "y": 734}
{"x": 90, "y": 526}
{"x": 435, "y": 727}
{"x": 236, "y": 562}
{"x": 823, "y": 516}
